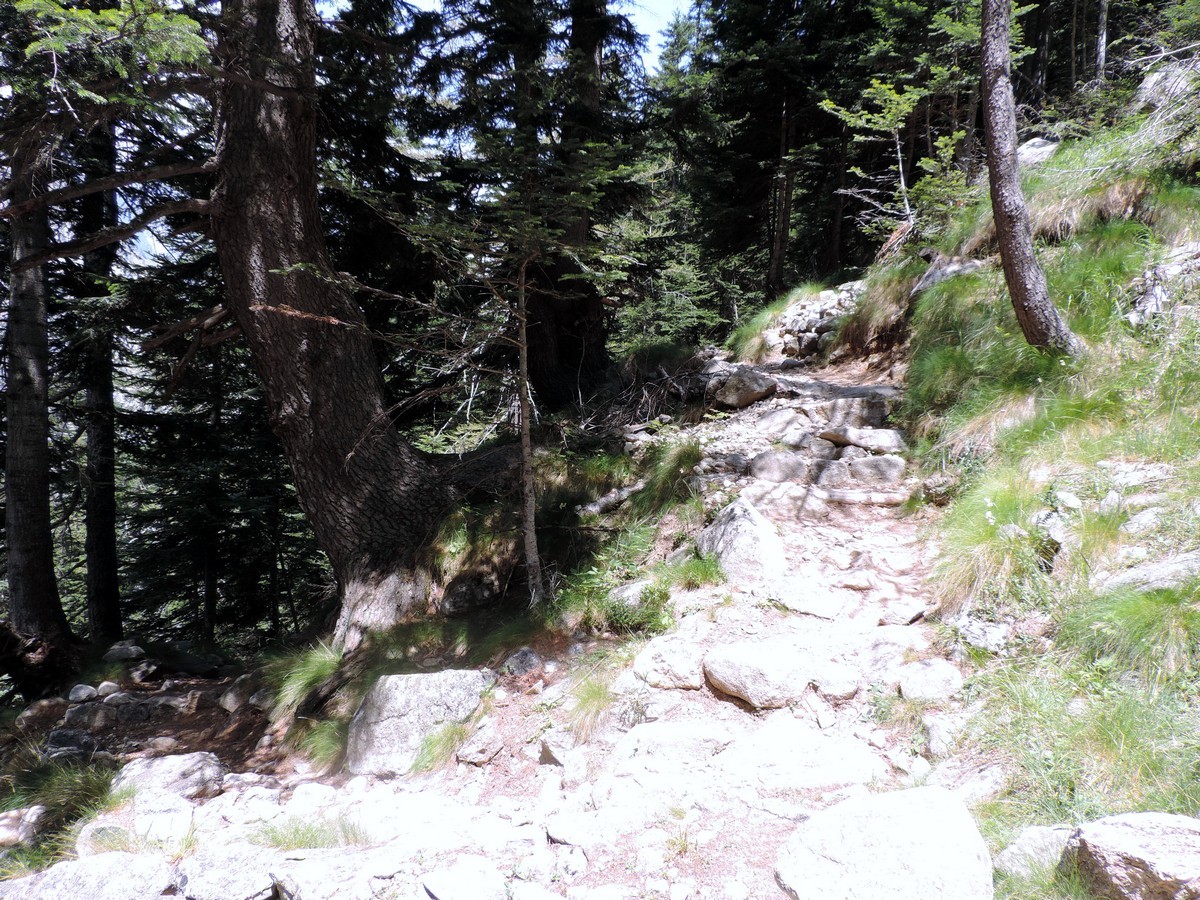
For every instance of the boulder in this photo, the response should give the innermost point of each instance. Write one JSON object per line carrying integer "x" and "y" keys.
{"x": 191, "y": 776}
{"x": 19, "y": 826}
{"x": 929, "y": 680}
{"x": 400, "y": 711}
{"x": 1035, "y": 849}
{"x": 109, "y": 876}
{"x": 1166, "y": 83}
{"x": 1138, "y": 856}
{"x": 525, "y": 661}
{"x": 907, "y": 845}
{"x": 767, "y": 674}
{"x": 469, "y": 878}
{"x": 70, "y": 743}
{"x": 750, "y": 550}
{"x": 671, "y": 661}
{"x": 1156, "y": 575}
{"x": 742, "y": 387}
{"x": 877, "y": 440}
{"x": 878, "y": 470}
{"x": 1035, "y": 151}
{"x": 238, "y": 694}
{"x": 124, "y": 651}
{"x": 229, "y": 873}
{"x": 82, "y": 693}
{"x": 780, "y": 466}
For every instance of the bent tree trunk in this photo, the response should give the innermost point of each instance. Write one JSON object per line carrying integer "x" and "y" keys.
{"x": 1039, "y": 319}
{"x": 42, "y": 650}
{"x": 372, "y": 501}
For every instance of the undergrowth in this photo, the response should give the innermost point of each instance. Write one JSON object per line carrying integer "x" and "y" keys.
{"x": 1096, "y": 713}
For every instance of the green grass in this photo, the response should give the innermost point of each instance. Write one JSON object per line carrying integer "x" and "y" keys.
{"x": 591, "y": 699}
{"x": 438, "y": 748}
{"x": 746, "y": 342}
{"x": 71, "y": 793}
{"x": 295, "y": 674}
{"x": 1081, "y": 743}
{"x": 668, "y": 466}
{"x": 1154, "y": 633}
{"x": 310, "y": 834}
{"x": 694, "y": 572}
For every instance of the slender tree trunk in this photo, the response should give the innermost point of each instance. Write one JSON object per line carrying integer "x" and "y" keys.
{"x": 533, "y": 560}
{"x": 1101, "y": 39}
{"x": 99, "y": 211}
{"x": 782, "y": 224}
{"x": 43, "y": 651}
{"x": 373, "y": 501}
{"x": 1074, "y": 39}
{"x": 1039, "y": 319}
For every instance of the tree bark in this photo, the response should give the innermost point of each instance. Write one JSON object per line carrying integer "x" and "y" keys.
{"x": 38, "y": 646}
{"x": 533, "y": 560}
{"x": 781, "y": 226}
{"x": 1101, "y": 40}
{"x": 373, "y": 501}
{"x": 99, "y": 211}
{"x": 1039, "y": 319}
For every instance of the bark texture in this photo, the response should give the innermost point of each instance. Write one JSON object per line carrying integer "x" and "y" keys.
{"x": 373, "y": 501}
{"x": 33, "y": 589}
{"x": 97, "y": 212}
{"x": 37, "y": 648}
{"x": 1039, "y": 319}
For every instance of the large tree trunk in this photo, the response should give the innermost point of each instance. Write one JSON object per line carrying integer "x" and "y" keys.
{"x": 1039, "y": 319}
{"x": 99, "y": 211}
{"x": 373, "y": 502}
{"x": 44, "y": 647}
{"x": 1102, "y": 40}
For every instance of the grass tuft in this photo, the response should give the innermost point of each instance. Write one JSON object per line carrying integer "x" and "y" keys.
{"x": 293, "y": 833}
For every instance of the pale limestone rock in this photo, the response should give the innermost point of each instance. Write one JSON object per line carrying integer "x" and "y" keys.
{"x": 469, "y": 878}
{"x": 742, "y": 387}
{"x": 787, "y": 755}
{"x": 1138, "y": 856}
{"x": 1036, "y": 848}
{"x": 671, "y": 661}
{"x": 190, "y": 776}
{"x": 907, "y": 845}
{"x": 780, "y": 466}
{"x": 767, "y": 674}
{"x": 878, "y": 470}
{"x": 748, "y": 547}
{"x": 877, "y": 440}
{"x": 930, "y": 680}
{"x": 400, "y": 711}
{"x": 111, "y": 876}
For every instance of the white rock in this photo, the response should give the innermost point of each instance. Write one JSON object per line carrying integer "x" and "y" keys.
{"x": 908, "y": 845}
{"x": 469, "y": 878}
{"x": 1138, "y": 856}
{"x": 877, "y": 440}
{"x": 1035, "y": 151}
{"x": 878, "y": 470}
{"x": 111, "y": 876}
{"x": 767, "y": 674}
{"x": 748, "y": 547}
{"x": 400, "y": 711}
{"x": 929, "y": 680}
{"x": 671, "y": 661}
{"x": 189, "y": 775}
{"x": 1037, "y": 848}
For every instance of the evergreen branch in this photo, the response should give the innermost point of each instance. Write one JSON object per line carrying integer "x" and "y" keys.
{"x": 123, "y": 179}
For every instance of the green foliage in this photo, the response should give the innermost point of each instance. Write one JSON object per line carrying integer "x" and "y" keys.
{"x": 746, "y": 342}
{"x": 324, "y": 742}
{"x": 439, "y": 746}
{"x": 131, "y": 41}
{"x": 667, "y": 468}
{"x": 310, "y": 834}
{"x": 294, "y": 675}
{"x": 1153, "y": 633}
{"x": 696, "y": 571}
{"x": 591, "y": 698}
{"x": 652, "y": 613}
{"x": 70, "y": 792}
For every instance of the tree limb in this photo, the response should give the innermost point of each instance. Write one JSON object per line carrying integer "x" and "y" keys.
{"x": 123, "y": 179}
{"x": 111, "y": 235}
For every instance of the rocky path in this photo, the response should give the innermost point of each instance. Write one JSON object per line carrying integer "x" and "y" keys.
{"x": 747, "y": 753}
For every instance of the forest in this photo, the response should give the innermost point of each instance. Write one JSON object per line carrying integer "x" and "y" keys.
{"x": 292, "y": 288}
